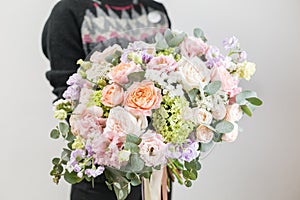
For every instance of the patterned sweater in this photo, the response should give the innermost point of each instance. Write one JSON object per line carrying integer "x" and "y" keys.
{"x": 75, "y": 27}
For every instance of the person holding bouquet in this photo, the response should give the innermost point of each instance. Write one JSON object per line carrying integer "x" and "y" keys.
{"x": 74, "y": 29}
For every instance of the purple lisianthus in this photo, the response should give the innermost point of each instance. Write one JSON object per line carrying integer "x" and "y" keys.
{"x": 72, "y": 92}
{"x": 214, "y": 57}
{"x": 190, "y": 152}
{"x": 77, "y": 154}
{"x": 94, "y": 172}
{"x": 230, "y": 43}
{"x": 77, "y": 168}
{"x": 146, "y": 58}
{"x": 173, "y": 151}
{"x": 89, "y": 150}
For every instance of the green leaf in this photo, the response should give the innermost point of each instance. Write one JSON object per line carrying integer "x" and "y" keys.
{"x": 241, "y": 97}
{"x": 72, "y": 177}
{"x": 224, "y": 127}
{"x": 193, "y": 94}
{"x": 70, "y": 137}
{"x": 137, "y": 76}
{"x": 55, "y": 161}
{"x": 133, "y": 139}
{"x": 63, "y": 128}
{"x": 54, "y": 134}
{"x": 65, "y": 155}
{"x": 162, "y": 45}
{"x": 131, "y": 147}
{"x": 168, "y": 35}
{"x": 188, "y": 183}
{"x": 205, "y": 147}
{"x": 175, "y": 41}
{"x": 254, "y": 101}
{"x": 213, "y": 87}
{"x": 190, "y": 165}
{"x": 246, "y": 110}
{"x": 199, "y": 34}
{"x": 109, "y": 185}
{"x": 137, "y": 164}
{"x": 190, "y": 174}
{"x": 136, "y": 181}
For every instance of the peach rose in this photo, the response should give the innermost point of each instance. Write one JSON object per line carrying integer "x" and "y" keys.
{"x": 120, "y": 72}
{"x": 202, "y": 116}
{"x": 233, "y": 113}
{"x": 229, "y": 83}
{"x": 204, "y": 134}
{"x": 232, "y": 136}
{"x": 112, "y": 95}
{"x": 193, "y": 46}
{"x": 142, "y": 97}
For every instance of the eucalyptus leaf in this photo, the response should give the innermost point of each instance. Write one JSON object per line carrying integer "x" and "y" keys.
{"x": 175, "y": 41}
{"x": 205, "y": 147}
{"x": 54, "y": 134}
{"x": 254, "y": 101}
{"x": 136, "y": 181}
{"x": 168, "y": 35}
{"x": 224, "y": 127}
{"x": 137, "y": 76}
{"x": 63, "y": 128}
{"x": 65, "y": 155}
{"x": 188, "y": 183}
{"x": 133, "y": 139}
{"x": 72, "y": 177}
{"x": 137, "y": 164}
{"x": 162, "y": 45}
{"x": 241, "y": 97}
{"x": 246, "y": 110}
{"x": 55, "y": 161}
{"x": 199, "y": 34}
{"x": 70, "y": 137}
{"x": 193, "y": 94}
{"x": 131, "y": 147}
{"x": 213, "y": 87}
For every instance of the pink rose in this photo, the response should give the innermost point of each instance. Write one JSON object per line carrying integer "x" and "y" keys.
{"x": 153, "y": 149}
{"x": 193, "y": 46}
{"x": 233, "y": 113}
{"x": 112, "y": 95}
{"x": 163, "y": 63}
{"x": 99, "y": 57}
{"x": 229, "y": 83}
{"x": 120, "y": 72}
{"x": 142, "y": 97}
{"x": 87, "y": 121}
{"x": 204, "y": 134}
{"x": 232, "y": 136}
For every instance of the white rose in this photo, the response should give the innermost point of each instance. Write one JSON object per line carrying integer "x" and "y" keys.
{"x": 232, "y": 136}
{"x": 99, "y": 57}
{"x": 234, "y": 113}
{"x": 194, "y": 73}
{"x": 219, "y": 111}
{"x": 204, "y": 134}
{"x": 85, "y": 95}
{"x": 202, "y": 116}
{"x": 120, "y": 120}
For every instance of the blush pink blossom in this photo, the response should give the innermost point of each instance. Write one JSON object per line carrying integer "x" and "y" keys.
{"x": 99, "y": 57}
{"x": 163, "y": 63}
{"x": 112, "y": 95}
{"x": 85, "y": 121}
{"x": 229, "y": 83}
{"x": 193, "y": 46}
{"x": 153, "y": 149}
{"x": 119, "y": 73}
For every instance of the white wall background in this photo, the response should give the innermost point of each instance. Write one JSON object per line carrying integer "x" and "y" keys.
{"x": 263, "y": 164}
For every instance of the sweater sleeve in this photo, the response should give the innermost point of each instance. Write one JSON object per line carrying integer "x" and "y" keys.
{"x": 62, "y": 45}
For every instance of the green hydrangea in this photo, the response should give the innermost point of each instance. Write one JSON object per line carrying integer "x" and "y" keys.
{"x": 168, "y": 120}
{"x": 95, "y": 100}
{"x": 170, "y": 51}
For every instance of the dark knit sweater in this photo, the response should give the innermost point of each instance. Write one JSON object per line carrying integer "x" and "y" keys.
{"x": 75, "y": 27}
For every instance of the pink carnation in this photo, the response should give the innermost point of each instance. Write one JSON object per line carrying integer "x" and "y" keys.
{"x": 85, "y": 121}
{"x": 153, "y": 149}
{"x": 119, "y": 73}
{"x": 163, "y": 63}
{"x": 193, "y": 46}
{"x": 229, "y": 83}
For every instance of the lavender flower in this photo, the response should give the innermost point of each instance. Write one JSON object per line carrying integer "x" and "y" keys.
{"x": 72, "y": 92}
{"x": 173, "y": 151}
{"x": 77, "y": 168}
{"x": 230, "y": 43}
{"x": 191, "y": 152}
{"x": 146, "y": 58}
{"x": 214, "y": 57}
{"x": 77, "y": 154}
{"x": 76, "y": 79}
{"x": 94, "y": 172}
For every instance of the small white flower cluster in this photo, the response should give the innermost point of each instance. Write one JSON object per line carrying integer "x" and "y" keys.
{"x": 98, "y": 71}
{"x": 168, "y": 82}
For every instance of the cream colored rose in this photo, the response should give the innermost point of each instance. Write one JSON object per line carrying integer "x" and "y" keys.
{"x": 121, "y": 121}
{"x": 194, "y": 73}
{"x": 219, "y": 111}
{"x": 204, "y": 134}
{"x": 232, "y": 136}
{"x": 233, "y": 113}
{"x": 202, "y": 116}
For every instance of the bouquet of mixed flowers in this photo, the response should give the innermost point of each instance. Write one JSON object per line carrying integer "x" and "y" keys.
{"x": 135, "y": 111}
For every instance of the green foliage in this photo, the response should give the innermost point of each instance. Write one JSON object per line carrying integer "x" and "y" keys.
{"x": 241, "y": 97}
{"x": 133, "y": 139}
{"x": 54, "y": 134}
{"x": 224, "y": 127}
{"x": 137, "y": 76}
{"x": 254, "y": 101}
{"x": 72, "y": 177}
{"x": 199, "y": 34}
{"x": 205, "y": 147}
{"x": 63, "y": 128}
{"x": 213, "y": 87}
{"x": 246, "y": 110}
